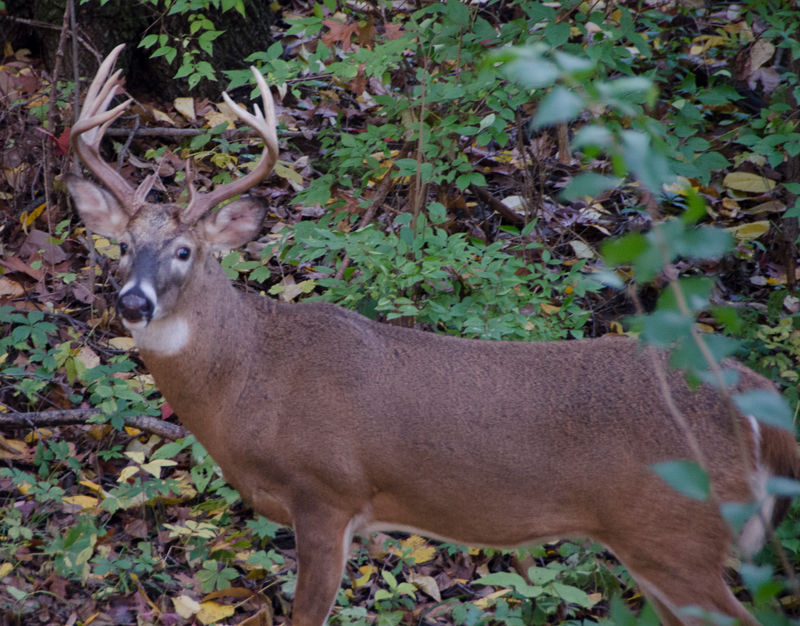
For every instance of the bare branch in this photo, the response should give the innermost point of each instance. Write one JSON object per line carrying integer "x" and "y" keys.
{"x": 68, "y": 417}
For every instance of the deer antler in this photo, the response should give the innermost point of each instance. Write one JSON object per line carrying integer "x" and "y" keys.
{"x": 264, "y": 124}
{"x": 94, "y": 119}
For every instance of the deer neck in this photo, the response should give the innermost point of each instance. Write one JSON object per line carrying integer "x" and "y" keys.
{"x": 194, "y": 353}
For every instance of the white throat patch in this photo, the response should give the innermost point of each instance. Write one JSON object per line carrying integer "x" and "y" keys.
{"x": 165, "y": 337}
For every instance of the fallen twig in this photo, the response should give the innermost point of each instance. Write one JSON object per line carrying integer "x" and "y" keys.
{"x": 65, "y": 417}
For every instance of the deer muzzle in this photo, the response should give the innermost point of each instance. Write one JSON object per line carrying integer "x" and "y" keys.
{"x": 134, "y": 306}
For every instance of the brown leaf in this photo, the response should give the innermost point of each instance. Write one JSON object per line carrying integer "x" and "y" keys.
{"x": 10, "y": 288}
{"x": 15, "y": 264}
{"x": 338, "y": 32}
{"x": 38, "y": 240}
{"x": 393, "y": 31}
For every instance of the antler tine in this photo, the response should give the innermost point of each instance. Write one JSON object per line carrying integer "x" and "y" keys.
{"x": 92, "y": 123}
{"x": 265, "y": 125}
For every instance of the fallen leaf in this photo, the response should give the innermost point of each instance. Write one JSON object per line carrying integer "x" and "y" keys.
{"x": 211, "y": 612}
{"x": 338, "y": 32}
{"x": 185, "y": 606}
{"x": 122, "y": 343}
{"x": 770, "y": 206}
{"x": 487, "y": 601}
{"x": 418, "y": 550}
{"x": 88, "y": 357}
{"x": 549, "y": 309}
{"x": 12, "y": 448}
{"x": 366, "y": 571}
{"x": 185, "y": 106}
{"x": 214, "y": 118}
{"x": 581, "y": 249}
{"x": 85, "y": 502}
{"x": 753, "y": 230}
{"x": 10, "y": 288}
{"x": 160, "y": 116}
{"x": 426, "y": 584}
{"x": 104, "y": 246}
{"x": 26, "y": 219}
{"x": 748, "y": 182}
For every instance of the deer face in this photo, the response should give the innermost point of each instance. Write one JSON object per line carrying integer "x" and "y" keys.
{"x": 160, "y": 253}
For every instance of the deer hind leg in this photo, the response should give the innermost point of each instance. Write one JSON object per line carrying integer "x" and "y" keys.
{"x": 682, "y": 572}
{"x": 323, "y": 541}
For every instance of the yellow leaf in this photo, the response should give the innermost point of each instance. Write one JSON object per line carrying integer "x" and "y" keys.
{"x": 106, "y": 248}
{"x": 127, "y": 472}
{"x": 366, "y": 572}
{"x": 426, "y": 584}
{"x": 185, "y": 488}
{"x": 26, "y": 219}
{"x": 420, "y": 550}
{"x": 122, "y": 343}
{"x": 285, "y": 171}
{"x": 215, "y": 119}
{"x": 211, "y": 612}
{"x": 160, "y": 116}
{"x": 91, "y": 485}
{"x": 729, "y": 204}
{"x": 133, "y": 432}
{"x": 6, "y": 569}
{"x": 185, "y": 606}
{"x": 85, "y": 502}
{"x": 549, "y": 309}
{"x": 703, "y": 43}
{"x": 136, "y": 456}
{"x": 754, "y": 230}
{"x": 185, "y": 106}
{"x": 154, "y": 467}
{"x": 487, "y": 601}
{"x": 12, "y": 448}
{"x": 748, "y": 182}
{"x": 88, "y": 357}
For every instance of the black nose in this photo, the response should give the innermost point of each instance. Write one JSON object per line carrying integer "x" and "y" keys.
{"x": 134, "y": 306}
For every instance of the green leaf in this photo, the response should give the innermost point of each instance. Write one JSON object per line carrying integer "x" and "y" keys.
{"x": 664, "y": 328}
{"x": 782, "y": 486}
{"x": 766, "y": 406}
{"x": 696, "y": 291}
{"x": 458, "y": 12}
{"x": 515, "y": 581}
{"x": 557, "y": 34}
{"x": 737, "y": 514}
{"x": 589, "y": 184}
{"x": 560, "y": 105}
{"x": 573, "y": 595}
{"x": 648, "y": 164}
{"x": 703, "y": 242}
{"x": 530, "y": 73}
{"x": 686, "y": 477}
{"x": 623, "y": 250}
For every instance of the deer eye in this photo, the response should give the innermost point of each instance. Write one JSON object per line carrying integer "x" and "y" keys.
{"x": 183, "y": 253}
{"x": 123, "y": 248}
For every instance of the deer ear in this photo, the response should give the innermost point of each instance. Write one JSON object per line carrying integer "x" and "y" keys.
{"x": 98, "y": 209}
{"x": 234, "y": 224}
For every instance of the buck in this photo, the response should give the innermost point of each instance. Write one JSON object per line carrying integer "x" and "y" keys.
{"x": 339, "y": 425}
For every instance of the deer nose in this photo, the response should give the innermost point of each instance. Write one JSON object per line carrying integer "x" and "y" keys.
{"x": 134, "y": 306}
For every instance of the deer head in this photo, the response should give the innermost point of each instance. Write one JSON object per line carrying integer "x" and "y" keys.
{"x": 162, "y": 245}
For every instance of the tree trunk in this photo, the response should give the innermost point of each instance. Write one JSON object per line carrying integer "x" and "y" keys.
{"x": 127, "y": 21}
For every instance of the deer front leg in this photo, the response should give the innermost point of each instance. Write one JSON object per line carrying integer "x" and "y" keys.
{"x": 323, "y": 541}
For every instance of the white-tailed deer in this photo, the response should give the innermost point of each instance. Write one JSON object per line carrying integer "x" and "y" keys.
{"x": 337, "y": 425}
